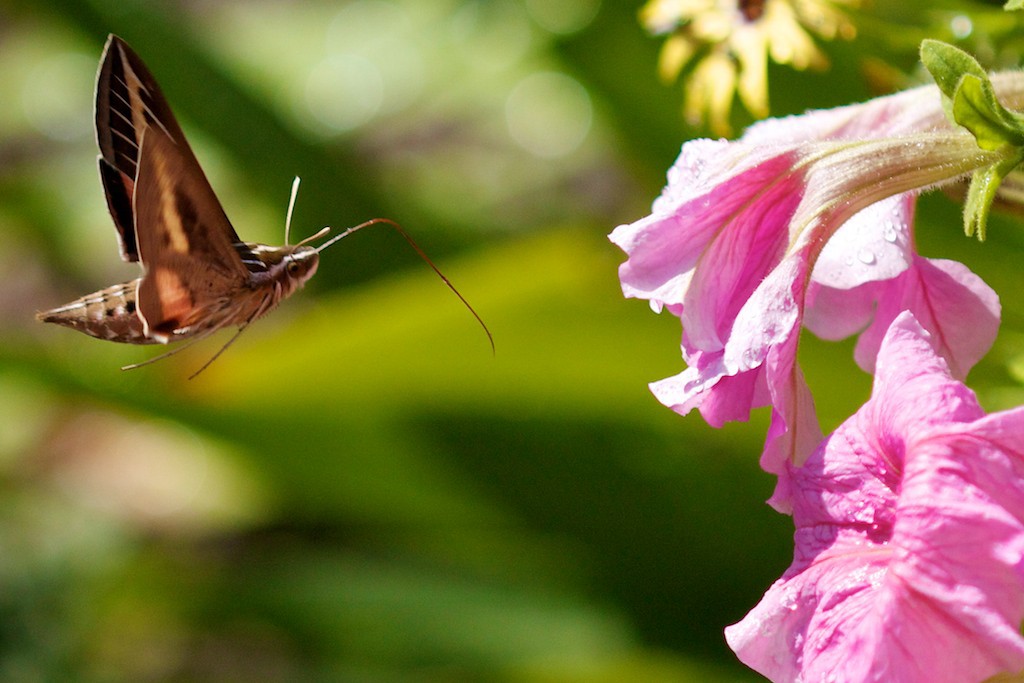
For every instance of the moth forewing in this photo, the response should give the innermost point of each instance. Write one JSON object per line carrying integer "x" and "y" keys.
{"x": 193, "y": 269}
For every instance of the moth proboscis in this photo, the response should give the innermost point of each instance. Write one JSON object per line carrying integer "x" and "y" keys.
{"x": 198, "y": 276}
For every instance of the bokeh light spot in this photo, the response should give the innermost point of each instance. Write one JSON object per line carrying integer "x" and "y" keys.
{"x": 549, "y": 114}
{"x": 56, "y": 93}
{"x": 563, "y": 17}
{"x": 961, "y": 26}
{"x": 344, "y": 91}
{"x": 493, "y": 36}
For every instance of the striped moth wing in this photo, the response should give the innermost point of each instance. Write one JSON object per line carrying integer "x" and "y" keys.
{"x": 167, "y": 215}
{"x": 193, "y": 271}
{"x": 128, "y": 101}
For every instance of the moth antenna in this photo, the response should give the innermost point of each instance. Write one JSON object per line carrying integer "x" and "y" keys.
{"x": 422, "y": 255}
{"x": 291, "y": 207}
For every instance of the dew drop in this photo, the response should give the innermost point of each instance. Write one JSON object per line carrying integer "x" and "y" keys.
{"x": 866, "y": 257}
{"x": 789, "y": 601}
{"x": 889, "y": 233}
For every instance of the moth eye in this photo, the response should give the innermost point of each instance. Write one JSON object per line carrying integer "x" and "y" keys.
{"x": 292, "y": 267}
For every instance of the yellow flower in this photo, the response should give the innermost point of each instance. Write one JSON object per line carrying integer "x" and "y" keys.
{"x": 732, "y": 40}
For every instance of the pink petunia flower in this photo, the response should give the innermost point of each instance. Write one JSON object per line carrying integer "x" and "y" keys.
{"x": 802, "y": 209}
{"x": 909, "y": 560}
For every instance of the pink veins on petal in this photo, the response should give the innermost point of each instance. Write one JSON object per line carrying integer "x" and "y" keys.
{"x": 732, "y": 247}
{"x": 909, "y": 559}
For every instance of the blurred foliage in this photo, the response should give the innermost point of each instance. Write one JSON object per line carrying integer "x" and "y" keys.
{"x": 358, "y": 490}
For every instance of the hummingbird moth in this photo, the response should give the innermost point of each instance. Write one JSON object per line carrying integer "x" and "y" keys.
{"x": 198, "y": 276}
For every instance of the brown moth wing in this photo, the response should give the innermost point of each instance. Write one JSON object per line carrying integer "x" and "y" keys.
{"x": 128, "y": 101}
{"x": 185, "y": 241}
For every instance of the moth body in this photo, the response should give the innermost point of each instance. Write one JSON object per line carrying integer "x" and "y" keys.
{"x": 112, "y": 314}
{"x": 108, "y": 314}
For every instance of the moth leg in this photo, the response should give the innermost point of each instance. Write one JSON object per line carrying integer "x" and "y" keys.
{"x": 241, "y": 328}
{"x": 168, "y": 354}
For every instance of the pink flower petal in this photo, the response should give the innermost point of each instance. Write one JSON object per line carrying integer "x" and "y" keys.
{"x": 909, "y": 561}
{"x": 706, "y": 218}
{"x": 873, "y": 245}
{"x": 742, "y": 235}
{"x": 951, "y": 302}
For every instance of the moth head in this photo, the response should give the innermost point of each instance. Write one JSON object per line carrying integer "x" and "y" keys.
{"x": 297, "y": 265}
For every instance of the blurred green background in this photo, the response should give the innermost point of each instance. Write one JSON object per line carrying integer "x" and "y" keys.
{"x": 358, "y": 490}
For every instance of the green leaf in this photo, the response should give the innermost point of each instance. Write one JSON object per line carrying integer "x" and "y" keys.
{"x": 970, "y": 97}
{"x": 976, "y": 108}
{"x": 1014, "y": 5}
{"x": 971, "y": 102}
{"x": 982, "y": 192}
{"x": 948, "y": 65}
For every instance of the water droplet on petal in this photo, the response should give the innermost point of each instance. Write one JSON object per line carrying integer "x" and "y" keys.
{"x": 889, "y": 233}
{"x": 789, "y": 601}
{"x": 866, "y": 257}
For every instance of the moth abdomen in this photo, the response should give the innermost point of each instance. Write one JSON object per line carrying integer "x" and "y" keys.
{"x": 110, "y": 314}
